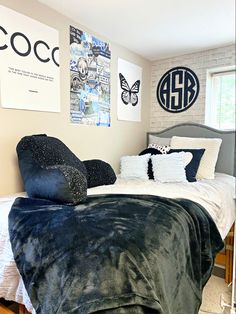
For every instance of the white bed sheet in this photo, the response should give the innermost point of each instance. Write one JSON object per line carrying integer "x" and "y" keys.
{"x": 216, "y": 196}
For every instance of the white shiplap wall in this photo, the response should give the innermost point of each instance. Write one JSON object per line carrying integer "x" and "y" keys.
{"x": 199, "y": 62}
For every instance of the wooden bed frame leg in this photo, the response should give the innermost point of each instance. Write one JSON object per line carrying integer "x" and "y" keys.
{"x": 229, "y": 256}
{"x": 22, "y": 309}
{"x": 5, "y": 310}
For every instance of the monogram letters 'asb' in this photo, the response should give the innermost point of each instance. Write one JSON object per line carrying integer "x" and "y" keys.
{"x": 177, "y": 89}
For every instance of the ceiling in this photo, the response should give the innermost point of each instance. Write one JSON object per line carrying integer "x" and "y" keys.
{"x": 155, "y": 29}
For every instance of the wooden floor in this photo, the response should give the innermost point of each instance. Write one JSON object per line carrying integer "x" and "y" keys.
{"x": 20, "y": 310}
{"x": 225, "y": 257}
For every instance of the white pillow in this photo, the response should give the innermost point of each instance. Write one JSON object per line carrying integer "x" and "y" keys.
{"x": 207, "y": 165}
{"x": 171, "y": 167}
{"x": 134, "y": 167}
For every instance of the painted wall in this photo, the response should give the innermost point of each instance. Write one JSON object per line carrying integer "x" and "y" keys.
{"x": 87, "y": 142}
{"x": 199, "y": 62}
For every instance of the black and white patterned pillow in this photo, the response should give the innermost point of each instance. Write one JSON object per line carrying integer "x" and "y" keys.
{"x": 162, "y": 149}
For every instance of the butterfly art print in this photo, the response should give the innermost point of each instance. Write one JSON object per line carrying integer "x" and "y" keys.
{"x": 129, "y": 95}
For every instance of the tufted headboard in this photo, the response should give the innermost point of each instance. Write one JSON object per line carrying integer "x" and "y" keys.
{"x": 226, "y": 158}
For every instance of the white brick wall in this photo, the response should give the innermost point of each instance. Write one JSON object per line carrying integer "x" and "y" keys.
{"x": 199, "y": 62}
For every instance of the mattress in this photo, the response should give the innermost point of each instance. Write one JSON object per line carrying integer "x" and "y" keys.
{"x": 216, "y": 196}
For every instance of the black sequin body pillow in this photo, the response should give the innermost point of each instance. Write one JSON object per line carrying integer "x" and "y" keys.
{"x": 99, "y": 173}
{"x": 50, "y": 170}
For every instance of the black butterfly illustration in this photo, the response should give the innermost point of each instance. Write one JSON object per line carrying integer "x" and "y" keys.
{"x": 129, "y": 94}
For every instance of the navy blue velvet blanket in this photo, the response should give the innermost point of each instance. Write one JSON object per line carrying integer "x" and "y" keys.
{"x": 114, "y": 254}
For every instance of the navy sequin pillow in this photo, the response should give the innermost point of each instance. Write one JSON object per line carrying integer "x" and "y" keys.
{"x": 50, "y": 170}
{"x": 192, "y": 167}
{"x": 99, "y": 173}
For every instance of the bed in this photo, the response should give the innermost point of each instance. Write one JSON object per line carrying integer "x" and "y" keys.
{"x": 216, "y": 196}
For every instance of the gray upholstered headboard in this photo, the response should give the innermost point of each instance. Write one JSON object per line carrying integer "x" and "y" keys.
{"x": 226, "y": 159}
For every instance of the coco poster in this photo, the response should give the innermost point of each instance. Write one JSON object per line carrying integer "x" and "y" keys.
{"x": 89, "y": 79}
{"x": 129, "y": 91}
{"x": 29, "y": 63}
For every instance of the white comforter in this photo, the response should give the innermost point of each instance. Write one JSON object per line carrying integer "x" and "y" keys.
{"x": 217, "y": 196}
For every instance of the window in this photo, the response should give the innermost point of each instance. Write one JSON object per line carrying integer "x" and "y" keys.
{"x": 220, "y": 100}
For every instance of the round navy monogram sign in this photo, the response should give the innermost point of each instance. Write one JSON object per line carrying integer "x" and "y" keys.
{"x": 178, "y": 89}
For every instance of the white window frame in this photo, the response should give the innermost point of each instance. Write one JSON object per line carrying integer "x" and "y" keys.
{"x": 209, "y": 102}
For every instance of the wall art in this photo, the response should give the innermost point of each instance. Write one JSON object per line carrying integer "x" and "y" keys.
{"x": 29, "y": 63}
{"x": 89, "y": 79}
{"x": 129, "y": 91}
{"x": 177, "y": 89}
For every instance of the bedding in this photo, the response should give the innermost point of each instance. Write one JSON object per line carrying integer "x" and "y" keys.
{"x": 215, "y": 195}
{"x": 170, "y": 168}
{"x": 50, "y": 170}
{"x": 152, "y": 151}
{"x": 121, "y": 250}
{"x": 207, "y": 165}
{"x": 191, "y": 168}
{"x": 163, "y": 149}
{"x": 12, "y": 287}
{"x": 99, "y": 173}
{"x": 132, "y": 167}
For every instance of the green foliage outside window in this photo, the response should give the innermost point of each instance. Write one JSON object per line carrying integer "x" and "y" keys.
{"x": 224, "y": 90}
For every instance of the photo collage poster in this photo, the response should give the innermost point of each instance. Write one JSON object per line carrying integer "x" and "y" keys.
{"x": 89, "y": 79}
